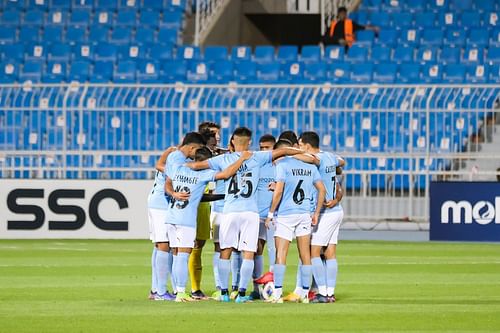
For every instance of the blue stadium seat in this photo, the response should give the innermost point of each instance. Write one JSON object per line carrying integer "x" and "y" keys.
{"x": 455, "y": 37}
{"x": 409, "y": 73}
{"x": 493, "y": 56}
{"x": 32, "y": 71}
{"x": 477, "y": 74}
{"x": 387, "y": 37}
{"x": 120, "y": 36}
{"x": 263, "y": 54}
{"x": 59, "y": 53}
{"x": 486, "y": 5}
{"x": 10, "y": 18}
{"x": 83, "y": 52}
{"x": 245, "y": 71}
{"x": 410, "y": 37}
{"x": 310, "y": 53}
{"x": 334, "y": 53}
{"x": 292, "y": 72}
{"x": 8, "y": 72}
{"x": 448, "y": 19}
{"x": 148, "y": 72}
{"x": 425, "y": 20}
{"x": 432, "y": 38}
{"x": 55, "y": 72}
{"x": 106, "y": 4}
{"x": 60, "y": 4}
{"x": 198, "y": 71}
{"x": 364, "y": 38}
{"x": 449, "y": 55}
{"x": 174, "y": 70}
{"x": 75, "y": 35}
{"x": 495, "y": 38}
{"x": 222, "y": 71}
{"x": 188, "y": 53}
{"x": 493, "y": 73}
{"x": 13, "y": 52}
{"x": 79, "y": 18}
{"x": 15, "y": 4}
{"x": 131, "y": 52}
{"x": 478, "y": 38}
{"x": 215, "y": 53}
{"x": 414, "y": 6}
{"x": 176, "y": 6}
{"x": 403, "y": 54}
{"x": 102, "y": 18}
{"x": 380, "y": 54}
{"x": 7, "y": 35}
{"x": 385, "y": 73}
{"x": 125, "y": 18}
{"x": 152, "y": 4}
{"x": 102, "y": 72}
{"x": 432, "y": 73}
{"x": 426, "y": 55}
{"x": 128, "y": 4}
{"x": 470, "y": 20}
{"x": 105, "y": 52}
{"x": 150, "y": 18}
{"x": 171, "y": 20}
{"x": 82, "y": 4}
{"x": 144, "y": 35}
{"x": 98, "y": 34}
{"x": 454, "y": 73}
{"x": 29, "y": 34}
{"x": 362, "y": 73}
{"x": 371, "y": 4}
{"x": 57, "y": 18}
{"x": 403, "y": 20}
{"x": 379, "y": 18}
{"x": 357, "y": 54}
{"x": 160, "y": 52}
{"x": 53, "y": 34}
{"x": 79, "y": 71}
{"x": 287, "y": 53}
{"x": 268, "y": 72}
{"x": 473, "y": 55}
{"x": 315, "y": 72}
{"x": 35, "y": 52}
{"x": 339, "y": 72}
{"x": 460, "y": 5}
{"x": 167, "y": 36}
{"x": 33, "y": 18}
{"x": 125, "y": 72}
{"x": 239, "y": 53}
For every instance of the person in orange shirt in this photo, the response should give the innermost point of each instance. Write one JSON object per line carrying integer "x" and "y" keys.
{"x": 343, "y": 30}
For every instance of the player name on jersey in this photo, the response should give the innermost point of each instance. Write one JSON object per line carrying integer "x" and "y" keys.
{"x": 186, "y": 179}
{"x": 301, "y": 172}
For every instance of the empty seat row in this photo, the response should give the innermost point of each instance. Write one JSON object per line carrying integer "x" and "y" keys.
{"x": 416, "y": 6}
{"x": 92, "y": 4}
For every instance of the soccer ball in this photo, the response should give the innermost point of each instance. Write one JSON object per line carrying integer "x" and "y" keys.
{"x": 266, "y": 291}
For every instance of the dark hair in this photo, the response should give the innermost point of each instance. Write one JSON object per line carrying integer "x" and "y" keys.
{"x": 202, "y": 154}
{"x": 242, "y": 131}
{"x": 207, "y": 125}
{"x": 290, "y": 136}
{"x": 207, "y": 134}
{"x": 193, "y": 138}
{"x": 311, "y": 138}
{"x": 267, "y": 138}
{"x": 282, "y": 143}
{"x": 342, "y": 9}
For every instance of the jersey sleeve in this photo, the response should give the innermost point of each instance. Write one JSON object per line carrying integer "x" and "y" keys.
{"x": 208, "y": 175}
{"x": 217, "y": 162}
{"x": 316, "y": 176}
{"x": 263, "y": 157}
{"x": 280, "y": 172}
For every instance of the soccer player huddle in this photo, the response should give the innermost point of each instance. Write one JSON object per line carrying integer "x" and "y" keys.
{"x": 289, "y": 189}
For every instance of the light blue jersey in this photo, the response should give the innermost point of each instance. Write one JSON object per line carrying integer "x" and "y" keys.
{"x": 220, "y": 188}
{"x": 188, "y": 181}
{"x": 328, "y": 171}
{"x": 241, "y": 189}
{"x": 264, "y": 196}
{"x": 157, "y": 198}
{"x": 299, "y": 178}
{"x": 174, "y": 160}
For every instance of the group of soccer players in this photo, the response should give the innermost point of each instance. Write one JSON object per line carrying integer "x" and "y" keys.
{"x": 289, "y": 189}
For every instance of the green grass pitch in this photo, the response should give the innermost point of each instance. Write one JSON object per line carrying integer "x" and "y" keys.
{"x": 102, "y": 286}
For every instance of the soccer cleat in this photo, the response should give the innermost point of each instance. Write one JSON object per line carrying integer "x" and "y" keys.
{"x": 183, "y": 297}
{"x": 331, "y": 299}
{"x": 311, "y": 294}
{"x": 152, "y": 295}
{"x": 216, "y": 295}
{"x": 320, "y": 299}
{"x": 199, "y": 295}
{"x": 166, "y": 297}
{"x": 274, "y": 300}
{"x": 224, "y": 298}
{"x": 243, "y": 299}
{"x": 266, "y": 278}
{"x": 292, "y": 297}
{"x": 234, "y": 294}
{"x": 304, "y": 300}
{"x": 255, "y": 295}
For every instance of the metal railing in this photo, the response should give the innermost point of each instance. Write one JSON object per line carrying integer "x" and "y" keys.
{"x": 395, "y": 138}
